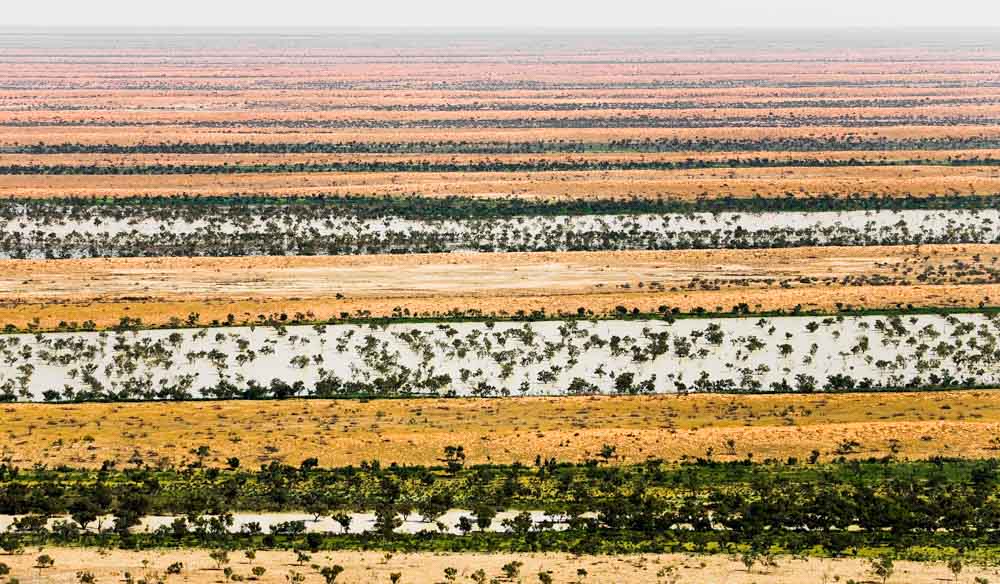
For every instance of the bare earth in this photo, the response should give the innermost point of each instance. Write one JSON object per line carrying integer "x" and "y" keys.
{"x": 918, "y": 181}
{"x": 415, "y": 431}
{"x": 156, "y": 289}
{"x": 375, "y": 568}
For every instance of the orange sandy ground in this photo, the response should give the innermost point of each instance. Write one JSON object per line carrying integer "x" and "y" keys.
{"x": 857, "y": 158}
{"x": 156, "y": 289}
{"x": 376, "y": 567}
{"x": 685, "y": 184}
{"x": 168, "y": 134}
{"x": 415, "y": 431}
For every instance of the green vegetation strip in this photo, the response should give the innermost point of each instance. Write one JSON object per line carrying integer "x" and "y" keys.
{"x": 920, "y": 509}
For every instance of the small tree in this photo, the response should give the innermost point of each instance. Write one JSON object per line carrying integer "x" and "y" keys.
{"x": 330, "y": 573}
{"x": 607, "y": 452}
{"x": 955, "y": 566}
{"x": 84, "y": 511}
{"x": 484, "y": 516}
{"x": 454, "y": 458}
{"x": 344, "y": 520}
{"x": 881, "y": 567}
{"x": 512, "y": 570}
{"x": 302, "y": 557}
{"x": 44, "y": 561}
{"x": 220, "y": 557}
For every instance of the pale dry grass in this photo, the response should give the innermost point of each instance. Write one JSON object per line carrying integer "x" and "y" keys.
{"x": 683, "y": 184}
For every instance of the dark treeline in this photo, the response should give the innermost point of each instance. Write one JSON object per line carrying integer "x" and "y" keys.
{"x": 791, "y": 144}
{"x": 194, "y": 207}
{"x": 479, "y": 166}
{"x": 794, "y": 503}
{"x": 563, "y": 106}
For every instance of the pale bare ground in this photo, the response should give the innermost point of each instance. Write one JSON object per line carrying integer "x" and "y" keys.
{"x": 442, "y": 274}
{"x": 426, "y": 568}
{"x": 157, "y": 289}
{"x": 563, "y": 185}
{"x": 574, "y": 429}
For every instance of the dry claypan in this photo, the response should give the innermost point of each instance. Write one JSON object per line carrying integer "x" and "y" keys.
{"x": 156, "y": 289}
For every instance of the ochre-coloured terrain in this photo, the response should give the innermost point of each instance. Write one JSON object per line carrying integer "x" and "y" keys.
{"x": 416, "y": 431}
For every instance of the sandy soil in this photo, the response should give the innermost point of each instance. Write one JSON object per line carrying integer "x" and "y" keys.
{"x": 375, "y": 568}
{"x": 346, "y": 432}
{"x": 688, "y": 184}
{"x": 158, "y": 134}
{"x": 156, "y": 289}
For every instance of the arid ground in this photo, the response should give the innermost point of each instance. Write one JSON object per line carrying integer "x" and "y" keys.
{"x": 376, "y": 568}
{"x": 348, "y": 432}
{"x": 190, "y": 124}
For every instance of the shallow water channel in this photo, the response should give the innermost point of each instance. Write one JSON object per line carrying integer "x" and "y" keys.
{"x": 93, "y": 235}
{"x": 359, "y": 522}
{"x": 507, "y": 358}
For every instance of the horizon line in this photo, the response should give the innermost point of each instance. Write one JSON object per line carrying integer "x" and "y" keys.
{"x": 476, "y": 27}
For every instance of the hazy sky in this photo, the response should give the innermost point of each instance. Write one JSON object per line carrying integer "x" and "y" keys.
{"x": 503, "y": 13}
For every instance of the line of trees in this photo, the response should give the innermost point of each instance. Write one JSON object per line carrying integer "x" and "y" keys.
{"x": 831, "y": 143}
{"x": 581, "y": 165}
{"x": 700, "y": 506}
